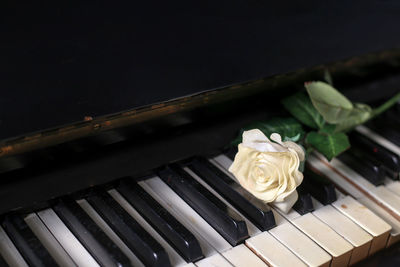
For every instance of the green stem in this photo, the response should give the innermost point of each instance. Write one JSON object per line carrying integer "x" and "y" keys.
{"x": 385, "y": 106}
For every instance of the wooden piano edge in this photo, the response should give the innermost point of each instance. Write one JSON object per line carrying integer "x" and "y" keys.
{"x": 277, "y": 84}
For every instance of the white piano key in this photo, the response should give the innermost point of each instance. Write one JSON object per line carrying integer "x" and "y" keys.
{"x": 361, "y": 245}
{"x": 223, "y": 163}
{"x": 300, "y": 244}
{"x": 67, "y": 240}
{"x": 371, "y": 223}
{"x": 394, "y": 236}
{"x": 49, "y": 242}
{"x": 175, "y": 258}
{"x": 251, "y": 228}
{"x": 109, "y": 232}
{"x": 371, "y": 226}
{"x": 365, "y": 218}
{"x": 272, "y": 252}
{"x": 345, "y": 227}
{"x": 378, "y": 138}
{"x": 393, "y": 186}
{"x": 296, "y": 241}
{"x": 215, "y": 260}
{"x": 387, "y": 198}
{"x": 242, "y": 256}
{"x": 210, "y": 240}
{"x": 380, "y": 193}
{"x": 324, "y": 236}
{"x": 336, "y": 178}
{"x": 9, "y": 252}
{"x": 339, "y": 194}
{"x": 348, "y": 179}
{"x": 349, "y": 174}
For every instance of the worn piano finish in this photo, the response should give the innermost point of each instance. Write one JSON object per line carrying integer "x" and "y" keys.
{"x": 65, "y": 159}
{"x": 112, "y": 93}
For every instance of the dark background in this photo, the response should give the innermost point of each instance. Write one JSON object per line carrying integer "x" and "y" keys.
{"x": 61, "y": 62}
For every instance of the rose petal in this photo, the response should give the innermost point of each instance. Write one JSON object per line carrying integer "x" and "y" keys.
{"x": 268, "y": 170}
{"x": 257, "y": 140}
{"x": 299, "y": 150}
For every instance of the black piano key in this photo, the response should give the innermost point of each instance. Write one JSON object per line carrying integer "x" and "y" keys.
{"x": 386, "y": 129}
{"x": 98, "y": 244}
{"x": 231, "y": 153}
{"x": 367, "y": 168}
{"x": 212, "y": 209}
{"x": 141, "y": 243}
{"x": 166, "y": 225}
{"x": 254, "y": 209}
{"x": 304, "y": 203}
{"x": 319, "y": 187}
{"x": 390, "y": 161}
{"x": 2, "y": 261}
{"x": 393, "y": 116}
{"x": 31, "y": 249}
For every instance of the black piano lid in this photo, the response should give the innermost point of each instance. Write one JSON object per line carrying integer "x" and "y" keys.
{"x": 62, "y": 62}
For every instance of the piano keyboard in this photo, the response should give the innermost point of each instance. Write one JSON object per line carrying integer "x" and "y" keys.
{"x": 196, "y": 214}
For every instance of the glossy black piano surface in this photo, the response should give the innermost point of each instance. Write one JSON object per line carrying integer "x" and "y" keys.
{"x": 91, "y": 93}
{"x": 62, "y": 62}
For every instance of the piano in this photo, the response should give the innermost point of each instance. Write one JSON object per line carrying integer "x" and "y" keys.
{"x": 116, "y": 122}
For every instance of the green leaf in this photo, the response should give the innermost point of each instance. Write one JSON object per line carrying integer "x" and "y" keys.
{"x": 330, "y": 145}
{"x": 300, "y": 106}
{"x": 328, "y": 77}
{"x": 360, "y": 114}
{"x": 330, "y": 103}
{"x": 286, "y": 127}
{"x": 293, "y": 139}
{"x": 328, "y": 128}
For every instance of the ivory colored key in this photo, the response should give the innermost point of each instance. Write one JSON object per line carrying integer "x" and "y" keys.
{"x": 371, "y": 223}
{"x": 251, "y": 228}
{"x": 254, "y": 209}
{"x": 163, "y": 222}
{"x": 378, "y": 138}
{"x": 393, "y": 186}
{"x": 214, "y": 260}
{"x": 210, "y": 241}
{"x": 301, "y": 245}
{"x": 171, "y": 201}
{"x": 67, "y": 240}
{"x": 27, "y": 243}
{"x": 297, "y": 242}
{"x": 326, "y": 237}
{"x": 365, "y": 218}
{"x": 109, "y": 232}
{"x": 48, "y": 240}
{"x": 388, "y": 198}
{"x": 241, "y": 256}
{"x": 9, "y": 251}
{"x": 174, "y": 257}
{"x": 271, "y": 251}
{"x": 345, "y": 227}
{"x": 393, "y": 222}
{"x": 345, "y": 174}
{"x": 317, "y": 164}
{"x": 223, "y": 162}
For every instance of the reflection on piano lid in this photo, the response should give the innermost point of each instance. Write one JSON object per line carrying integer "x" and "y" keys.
{"x": 96, "y": 108}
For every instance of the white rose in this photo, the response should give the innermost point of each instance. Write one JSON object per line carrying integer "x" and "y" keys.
{"x": 269, "y": 170}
